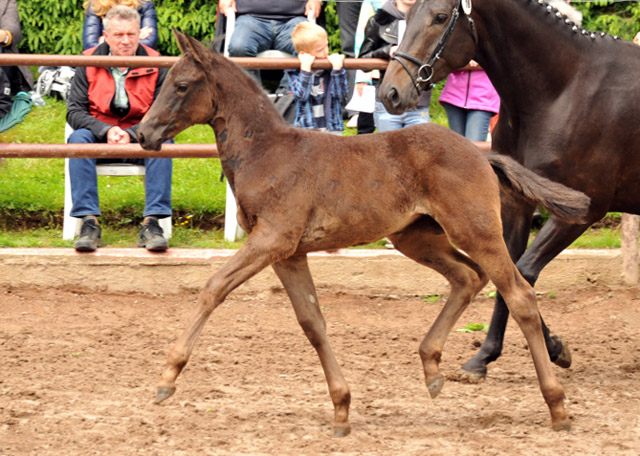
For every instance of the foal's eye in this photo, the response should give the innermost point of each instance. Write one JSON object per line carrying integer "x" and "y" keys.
{"x": 439, "y": 19}
{"x": 182, "y": 88}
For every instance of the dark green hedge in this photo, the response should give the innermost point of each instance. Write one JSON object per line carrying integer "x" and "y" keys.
{"x": 55, "y": 26}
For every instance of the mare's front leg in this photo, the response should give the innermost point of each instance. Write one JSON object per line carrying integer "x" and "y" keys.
{"x": 554, "y": 237}
{"x": 296, "y": 278}
{"x": 426, "y": 243}
{"x": 262, "y": 248}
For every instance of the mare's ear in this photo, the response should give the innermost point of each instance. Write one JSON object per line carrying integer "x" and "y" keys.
{"x": 189, "y": 45}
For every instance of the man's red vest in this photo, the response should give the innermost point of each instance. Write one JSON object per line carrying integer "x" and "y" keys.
{"x": 140, "y": 84}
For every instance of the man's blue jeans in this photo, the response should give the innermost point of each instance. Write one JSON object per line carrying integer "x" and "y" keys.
{"x": 473, "y": 124}
{"x": 253, "y": 35}
{"x": 387, "y": 122}
{"x": 84, "y": 181}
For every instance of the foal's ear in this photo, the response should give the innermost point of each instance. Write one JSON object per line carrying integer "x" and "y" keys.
{"x": 189, "y": 45}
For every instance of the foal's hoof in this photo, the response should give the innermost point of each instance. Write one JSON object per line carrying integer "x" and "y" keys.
{"x": 562, "y": 425}
{"x": 564, "y": 359}
{"x": 435, "y": 386}
{"x": 164, "y": 392}
{"x": 341, "y": 430}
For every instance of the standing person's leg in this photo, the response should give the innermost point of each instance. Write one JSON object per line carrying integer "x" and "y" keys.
{"x": 416, "y": 116}
{"x": 457, "y": 118}
{"x": 385, "y": 121}
{"x": 366, "y": 123}
{"x": 478, "y": 125}
{"x": 250, "y": 37}
{"x": 348, "y": 13}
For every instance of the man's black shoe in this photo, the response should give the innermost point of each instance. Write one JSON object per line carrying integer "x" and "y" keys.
{"x": 151, "y": 236}
{"x": 90, "y": 235}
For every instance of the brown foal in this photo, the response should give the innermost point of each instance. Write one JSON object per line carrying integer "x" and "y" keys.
{"x": 425, "y": 188}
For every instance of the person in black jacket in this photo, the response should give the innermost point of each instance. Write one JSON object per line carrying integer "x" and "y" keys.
{"x": 381, "y": 41}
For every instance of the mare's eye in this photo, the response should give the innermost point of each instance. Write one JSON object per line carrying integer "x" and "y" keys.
{"x": 440, "y": 19}
{"x": 182, "y": 88}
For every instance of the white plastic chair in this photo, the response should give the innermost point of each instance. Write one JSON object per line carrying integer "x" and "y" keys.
{"x": 71, "y": 225}
{"x": 232, "y": 230}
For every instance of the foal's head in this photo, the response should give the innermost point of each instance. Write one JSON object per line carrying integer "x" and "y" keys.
{"x": 439, "y": 39}
{"x": 188, "y": 96}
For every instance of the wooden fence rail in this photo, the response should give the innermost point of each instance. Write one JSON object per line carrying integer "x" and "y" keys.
{"x": 630, "y": 222}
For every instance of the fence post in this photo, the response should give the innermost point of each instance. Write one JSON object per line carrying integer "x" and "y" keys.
{"x": 629, "y": 247}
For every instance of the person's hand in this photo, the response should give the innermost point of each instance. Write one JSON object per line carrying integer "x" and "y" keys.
{"x": 636, "y": 39}
{"x": 226, "y": 4}
{"x": 306, "y": 60}
{"x": 312, "y": 8}
{"x": 337, "y": 61}
{"x": 392, "y": 50}
{"x": 145, "y": 32}
{"x": 117, "y": 135}
{"x": 360, "y": 87}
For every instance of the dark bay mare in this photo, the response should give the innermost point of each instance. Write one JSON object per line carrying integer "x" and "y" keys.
{"x": 299, "y": 191}
{"x": 570, "y": 107}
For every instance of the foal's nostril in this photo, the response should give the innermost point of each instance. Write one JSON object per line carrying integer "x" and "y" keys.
{"x": 141, "y": 138}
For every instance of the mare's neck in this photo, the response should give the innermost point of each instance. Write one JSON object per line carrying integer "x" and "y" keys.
{"x": 527, "y": 51}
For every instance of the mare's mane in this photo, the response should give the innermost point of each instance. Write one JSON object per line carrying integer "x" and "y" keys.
{"x": 563, "y": 20}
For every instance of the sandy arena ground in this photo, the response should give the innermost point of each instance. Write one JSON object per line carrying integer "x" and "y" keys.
{"x": 79, "y": 372}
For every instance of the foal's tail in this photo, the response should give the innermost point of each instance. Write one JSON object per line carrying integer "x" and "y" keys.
{"x": 563, "y": 202}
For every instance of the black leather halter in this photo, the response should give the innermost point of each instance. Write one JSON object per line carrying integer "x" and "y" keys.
{"x": 425, "y": 69}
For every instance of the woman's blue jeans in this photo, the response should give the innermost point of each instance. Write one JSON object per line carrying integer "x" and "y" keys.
{"x": 473, "y": 124}
{"x": 84, "y": 181}
{"x": 387, "y": 122}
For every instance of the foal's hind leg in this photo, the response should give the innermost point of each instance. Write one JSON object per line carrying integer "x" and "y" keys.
{"x": 260, "y": 249}
{"x": 425, "y": 242}
{"x": 296, "y": 278}
{"x": 520, "y": 298}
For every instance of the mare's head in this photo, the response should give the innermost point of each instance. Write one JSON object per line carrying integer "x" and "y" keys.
{"x": 440, "y": 38}
{"x": 187, "y": 95}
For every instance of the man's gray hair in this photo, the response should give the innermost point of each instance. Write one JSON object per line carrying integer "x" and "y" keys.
{"x": 121, "y": 12}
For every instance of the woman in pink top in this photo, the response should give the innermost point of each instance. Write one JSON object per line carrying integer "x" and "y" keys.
{"x": 470, "y": 101}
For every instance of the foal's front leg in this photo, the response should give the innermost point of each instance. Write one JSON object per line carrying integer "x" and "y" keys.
{"x": 295, "y": 276}
{"x": 260, "y": 250}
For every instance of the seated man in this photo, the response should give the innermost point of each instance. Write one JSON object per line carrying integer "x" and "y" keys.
{"x": 106, "y": 105}
{"x": 263, "y": 25}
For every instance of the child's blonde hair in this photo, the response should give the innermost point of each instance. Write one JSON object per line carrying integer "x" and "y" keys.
{"x": 101, "y": 7}
{"x": 305, "y": 35}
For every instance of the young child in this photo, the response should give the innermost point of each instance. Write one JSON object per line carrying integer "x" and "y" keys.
{"x": 319, "y": 94}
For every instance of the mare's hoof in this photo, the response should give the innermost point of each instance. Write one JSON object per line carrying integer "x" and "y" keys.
{"x": 562, "y": 425}
{"x": 164, "y": 392}
{"x": 341, "y": 430}
{"x": 435, "y": 386}
{"x": 465, "y": 376}
{"x": 564, "y": 359}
